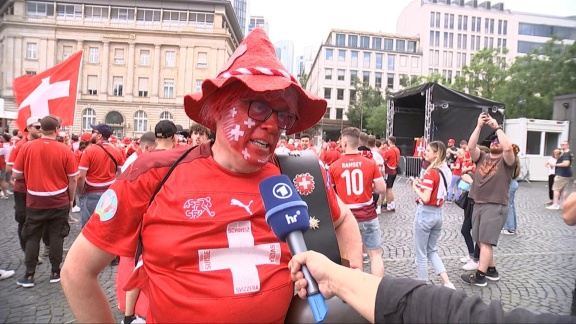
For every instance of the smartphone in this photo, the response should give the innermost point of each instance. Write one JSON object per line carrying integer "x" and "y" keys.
{"x": 485, "y": 111}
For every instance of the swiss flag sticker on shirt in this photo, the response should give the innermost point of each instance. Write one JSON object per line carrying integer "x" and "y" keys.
{"x": 50, "y": 92}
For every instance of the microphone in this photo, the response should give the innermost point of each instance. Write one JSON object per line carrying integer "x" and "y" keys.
{"x": 288, "y": 216}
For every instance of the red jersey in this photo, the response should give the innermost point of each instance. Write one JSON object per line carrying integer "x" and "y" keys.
{"x": 329, "y": 156}
{"x": 391, "y": 158}
{"x": 100, "y": 169}
{"x": 46, "y": 190}
{"x": 19, "y": 184}
{"x": 458, "y": 164}
{"x": 209, "y": 255}
{"x": 353, "y": 175}
{"x": 2, "y": 159}
{"x": 432, "y": 179}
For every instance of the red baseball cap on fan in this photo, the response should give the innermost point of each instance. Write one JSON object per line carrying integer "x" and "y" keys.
{"x": 256, "y": 65}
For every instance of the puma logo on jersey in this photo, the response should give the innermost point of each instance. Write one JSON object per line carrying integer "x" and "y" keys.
{"x": 236, "y": 202}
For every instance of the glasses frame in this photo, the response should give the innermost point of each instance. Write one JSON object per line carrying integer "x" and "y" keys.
{"x": 269, "y": 114}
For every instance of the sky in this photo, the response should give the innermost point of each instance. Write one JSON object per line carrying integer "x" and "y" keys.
{"x": 308, "y": 22}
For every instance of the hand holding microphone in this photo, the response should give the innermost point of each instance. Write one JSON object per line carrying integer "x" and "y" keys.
{"x": 288, "y": 216}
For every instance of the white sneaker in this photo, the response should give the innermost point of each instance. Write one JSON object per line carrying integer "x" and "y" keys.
{"x": 470, "y": 266}
{"x": 75, "y": 209}
{"x": 449, "y": 285}
{"x": 553, "y": 207}
{"x": 465, "y": 259}
{"x": 378, "y": 210}
{"x": 5, "y": 274}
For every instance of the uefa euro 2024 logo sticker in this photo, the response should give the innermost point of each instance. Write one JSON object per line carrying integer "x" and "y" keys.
{"x": 107, "y": 205}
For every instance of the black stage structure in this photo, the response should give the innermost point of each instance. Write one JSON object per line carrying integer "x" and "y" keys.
{"x": 435, "y": 112}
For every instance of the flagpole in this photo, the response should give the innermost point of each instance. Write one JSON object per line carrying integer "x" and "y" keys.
{"x": 78, "y": 91}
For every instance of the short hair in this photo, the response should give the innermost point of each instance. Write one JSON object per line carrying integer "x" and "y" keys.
{"x": 371, "y": 142}
{"x": 363, "y": 138}
{"x": 392, "y": 139}
{"x": 49, "y": 124}
{"x": 15, "y": 132}
{"x": 74, "y": 137}
{"x": 198, "y": 128}
{"x": 462, "y": 142}
{"x": 305, "y": 136}
{"x": 378, "y": 143}
{"x": 352, "y": 135}
{"x": 148, "y": 137}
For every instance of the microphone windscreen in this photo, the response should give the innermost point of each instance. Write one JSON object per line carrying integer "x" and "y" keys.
{"x": 285, "y": 210}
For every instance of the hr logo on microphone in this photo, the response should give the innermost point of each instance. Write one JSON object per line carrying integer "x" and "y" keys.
{"x": 292, "y": 219}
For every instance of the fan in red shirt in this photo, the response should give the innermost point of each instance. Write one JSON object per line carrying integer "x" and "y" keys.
{"x": 99, "y": 164}
{"x": 391, "y": 158}
{"x": 208, "y": 254}
{"x": 49, "y": 196}
{"x": 329, "y": 154}
{"x": 355, "y": 177}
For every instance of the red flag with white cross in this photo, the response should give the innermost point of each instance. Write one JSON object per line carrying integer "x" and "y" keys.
{"x": 50, "y": 92}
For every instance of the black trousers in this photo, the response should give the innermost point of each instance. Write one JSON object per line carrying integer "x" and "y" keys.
{"x": 473, "y": 249}
{"x": 55, "y": 221}
{"x": 20, "y": 217}
{"x": 550, "y": 185}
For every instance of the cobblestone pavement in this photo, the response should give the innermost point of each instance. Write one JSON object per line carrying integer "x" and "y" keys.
{"x": 537, "y": 266}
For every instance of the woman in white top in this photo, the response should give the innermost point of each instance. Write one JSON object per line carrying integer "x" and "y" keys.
{"x": 551, "y": 173}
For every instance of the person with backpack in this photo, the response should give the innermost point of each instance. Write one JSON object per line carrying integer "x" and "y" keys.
{"x": 431, "y": 191}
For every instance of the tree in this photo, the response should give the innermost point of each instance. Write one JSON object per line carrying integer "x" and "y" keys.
{"x": 409, "y": 81}
{"x": 367, "y": 99}
{"x": 376, "y": 123}
{"x": 433, "y": 77}
{"x": 536, "y": 78}
{"x": 303, "y": 79}
{"x": 486, "y": 73}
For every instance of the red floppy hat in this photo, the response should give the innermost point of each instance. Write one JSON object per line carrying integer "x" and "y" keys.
{"x": 255, "y": 64}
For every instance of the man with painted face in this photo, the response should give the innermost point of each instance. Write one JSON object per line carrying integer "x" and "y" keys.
{"x": 208, "y": 253}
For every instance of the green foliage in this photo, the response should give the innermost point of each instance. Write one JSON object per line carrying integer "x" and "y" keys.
{"x": 303, "y": 79}
{"x": 376, "y": 123}
{"x": 434, "y": 77}
{"x": 486, "y": 73}
{"x": 361, "y": 109}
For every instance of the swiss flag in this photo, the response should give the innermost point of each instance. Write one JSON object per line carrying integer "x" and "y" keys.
{"x": 50, "y": 92}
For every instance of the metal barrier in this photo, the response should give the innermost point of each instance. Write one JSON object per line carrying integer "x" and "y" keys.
{"x": 524, "y": 169}
{"x": 412, "y": 166}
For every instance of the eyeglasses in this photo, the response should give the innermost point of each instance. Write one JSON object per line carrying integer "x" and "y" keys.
{"x": 95, "y": 132}
{"x": 261, "y": 112}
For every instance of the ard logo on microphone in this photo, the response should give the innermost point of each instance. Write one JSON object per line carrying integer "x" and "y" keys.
{"x": 282, "y": 191}
{"x": 292, "y": 219}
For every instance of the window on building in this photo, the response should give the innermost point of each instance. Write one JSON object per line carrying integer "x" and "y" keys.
{"x": 403, "y": 60}
{"x": 142, "y": 87}
{"x": 464, "y": 41}
{"x": 527, "y": 47}
{"x": 201, "y": 19}
{"x": 144, "y": 57}
{"x": 340, "y": 40}
{"x": 388, "y": 44}
{"x": 66, "y": 52}
{"x": 339, "y": 94}
{"x": 341, "y": 74}
{"x": 329, "y": 54}
{"x": 435, "y": 19}
{"x": 198, "y": 87}
{"x": 339, "y": 113}
{"x": 170, "y": 59}
{"x": 122, "y": 14}
{"x": 377, "y": 43}
{"x": 352, "y": 41}
{"x": 400, "y": 45}
{"x": 70, "y": 11}
{"x": 92, "y": 84}
{"x": 117, "y": 86}
{"x": 95, "y": 12}
{"x": 168, "y": 88}
{"x": 352, "y": 96}
{"x": 39, "y": 9}
{"x": 118, "y": 56}
{"x": 391, "y": 61}
{"x": 202, "y": 61}
{"x": 534, "y": 143}
{"x": 364, "y": 42}
{"x": 328, "y": 74}
{"x": 32, "y": 51}
{"x": 379, "y": 57}
{"x": 431, "y": 57}
{"x": 327, "y": 93}
{"x": 174, "y": 17}
{"x": 459, "y": 22}
{"x": 166, "y": 115}
{"x": 88, "y": 118}
{"x": 366, "y": 77}
{"x": 93, "y": 55}
{"x": 366, "y": 61}
{"x": 354, "y": 61}
{"x": 353, "y": 77}
{"x": 411, "y": 46}
{"x": 465, "y": 23}
{"x": 390, "y": 82}
{"x": 327, "y": 113}
{"x": 341, "y": 55}
{"x": 378, "y": 80}
{"x": 415, "y": 62}
{"x": 140, "y": 121}
{"x": 148, "y": 16}
{"x": 505, "y": 28}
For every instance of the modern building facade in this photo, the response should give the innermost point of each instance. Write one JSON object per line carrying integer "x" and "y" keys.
{"x": 451, "y": 31}
{"x": 138, "y": 63}
{"x": 241, "y": 9}
{"x": 384, "y": 61}
{"x": 285, "y": 53}
{"x": 258, "y": 21}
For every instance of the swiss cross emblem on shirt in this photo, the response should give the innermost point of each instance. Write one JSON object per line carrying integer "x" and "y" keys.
{"x": 304, "y": 183}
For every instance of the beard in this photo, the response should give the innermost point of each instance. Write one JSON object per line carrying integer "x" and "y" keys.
{"x": 496, "y": 150}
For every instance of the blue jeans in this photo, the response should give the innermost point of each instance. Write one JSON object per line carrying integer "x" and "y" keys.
{"x": 454, "y": 186}
{"x": 371, "y": 234}
{"x": 427, "y": 229}
{"x": 511, "y": 219}
{"x": 88, "y": 202}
